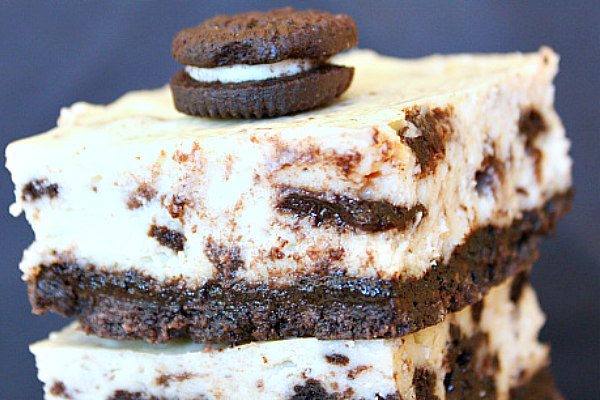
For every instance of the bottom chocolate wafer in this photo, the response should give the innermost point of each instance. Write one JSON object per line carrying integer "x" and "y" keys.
{"x": 486, "y": 351}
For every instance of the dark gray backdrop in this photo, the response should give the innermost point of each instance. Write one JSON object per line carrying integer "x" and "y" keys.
{"x": 55, "y": 53}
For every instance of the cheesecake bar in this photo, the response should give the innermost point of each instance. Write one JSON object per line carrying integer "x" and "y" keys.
{"x": 485, "y": 351}
{"x": 427, "y": 183}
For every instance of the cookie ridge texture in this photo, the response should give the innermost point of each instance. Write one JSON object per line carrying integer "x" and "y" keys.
{"x": 264, "y": 37}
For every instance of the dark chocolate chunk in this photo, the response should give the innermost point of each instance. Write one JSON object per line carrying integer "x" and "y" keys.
{"x": 342, "y": 211}
{"x": 259, "y": 99}
{"x": 38, "y": 188}
{"x": 424, "y": 382}
{"x": 130, "y": 305}
{"x": 434, "y": 129}
{"x": 337, "y": 359}
{"x": 264, "y": 38}
{"x": 167, "y": 237}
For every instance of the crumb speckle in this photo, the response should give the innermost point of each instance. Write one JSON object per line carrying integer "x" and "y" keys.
{"x": 353, "y": 373}
{"x": 58, "y": 389}
{"x": 166, "y": 379}
{"x": 177, "y": 207}
{"x": 142, "y": 195}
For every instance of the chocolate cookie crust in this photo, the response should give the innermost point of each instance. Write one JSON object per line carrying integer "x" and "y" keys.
{"x": 264, "y": 38}
{"x": 130, "y": 305}
{"x": 258, "y": 99}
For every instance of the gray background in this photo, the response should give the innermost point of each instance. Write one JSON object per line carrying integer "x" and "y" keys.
{"x": 55, "y": 53}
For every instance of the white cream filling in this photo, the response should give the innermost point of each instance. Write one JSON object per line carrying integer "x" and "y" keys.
{"x": 243, "y": 73}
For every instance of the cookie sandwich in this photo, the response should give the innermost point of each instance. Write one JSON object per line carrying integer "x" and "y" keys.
{"x": 261, "y": 64}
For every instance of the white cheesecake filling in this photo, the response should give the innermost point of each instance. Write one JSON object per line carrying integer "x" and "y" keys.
{"x": 244, "y": 73}
{"x": 228, "y": 172}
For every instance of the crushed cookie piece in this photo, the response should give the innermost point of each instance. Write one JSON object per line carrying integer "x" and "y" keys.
{"x": 312, "y": 389}
{"x": 167, "y": 237}
{"x": 342, "y": 211}
{"x": 39, "y": 188}
{"x": 433, "y": 130}
{"x": 337, "y": 359}
{"x": 531, "y": 125}
{"x": 468, "y": 375}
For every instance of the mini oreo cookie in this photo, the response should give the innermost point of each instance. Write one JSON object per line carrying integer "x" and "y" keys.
{"x": 261, "y": 64}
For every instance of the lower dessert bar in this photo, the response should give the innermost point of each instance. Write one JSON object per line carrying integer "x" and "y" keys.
{"x": 486, "y": 351}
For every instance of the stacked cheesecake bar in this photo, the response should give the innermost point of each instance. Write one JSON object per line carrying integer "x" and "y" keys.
{"x": 378, "y": 248}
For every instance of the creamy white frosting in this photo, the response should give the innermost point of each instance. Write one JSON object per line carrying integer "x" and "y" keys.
{"x": 243, "y": 73}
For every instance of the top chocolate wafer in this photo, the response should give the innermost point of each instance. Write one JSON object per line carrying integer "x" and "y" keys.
{"x": 264, "y": 38}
